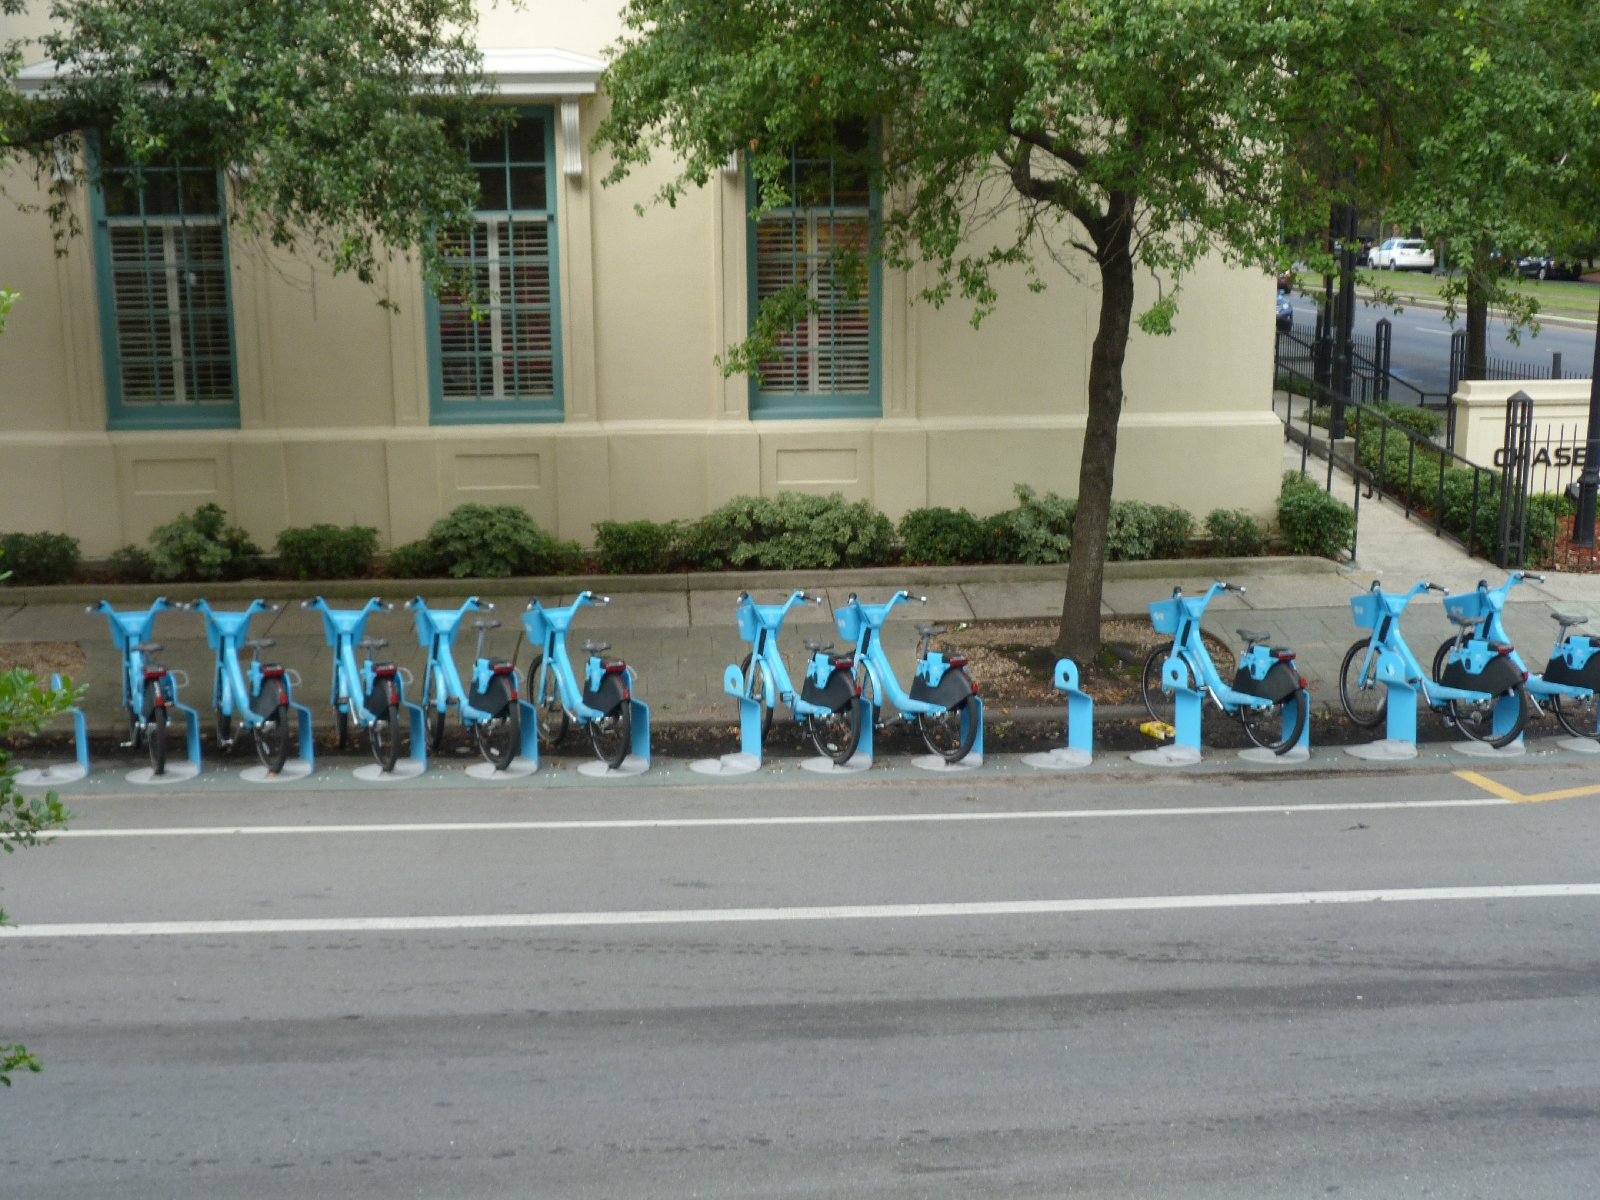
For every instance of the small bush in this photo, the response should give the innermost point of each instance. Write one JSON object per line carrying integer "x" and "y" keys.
{"x": 1041, "y": 526}
{"x": 943, "y": 536}
{"x": 789, "y": 531}
{"x": 481, "y": 541}
{"x": 39, "y": 558}
{"x": 1312, "y": 521}
{"x": 643, "y": 547}
{"x": 1136, "y": 531}
{"x": 1408, "y": 416}
{"x": 1236, "y": 532}
{"x": 202, "y": 546}
{"x": 1000, "y": 534}
{"x": 327, "y": 551}
{"x": 1172, "y": 531}
{"x": 414, "y": 560}
{"x": 132, "y": 564}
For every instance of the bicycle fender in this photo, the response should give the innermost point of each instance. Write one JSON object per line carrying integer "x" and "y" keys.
{"x": 953, "y": 687}
{"x": 608, "y": 696}
{"x": 269, "y": 699}
{"x": 1278, "y": 685}
{"x": 835, "y": 695}
{"x": 1499, "y": 675}
{"x": 1586, "y": 675}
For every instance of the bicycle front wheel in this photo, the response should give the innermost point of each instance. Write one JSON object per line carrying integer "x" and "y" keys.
{"x": 612, "y": 735}
{"x": 498, "y": 736}
{"x": 553, "y": 717}
{"x": 951, "y": 733}
{"x": 757, "y": 675}
{"x": 384, "y": 733}
{"x": 1365, "y": 700}
{"x": 272, "y": 733}
{"x": 1158, "y": 704}
{"x": 341, "y": 722}
{"x": 1580, "y": 718}
{"x": 156, "y": 740}
{"x": 1278, "y": 728}
{"x": 1475, "y": 718}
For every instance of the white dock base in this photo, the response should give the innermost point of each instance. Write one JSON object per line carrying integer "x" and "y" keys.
{"x": 51, "y": 776}
{"x": 1387, "y": 750}
{"x": 177, "y": 772}
{"x": 405, "y": 768}
{"x": 1479, "y": 750}
{"x": 293, "y": 769}
{"x": 1576, "y": 745}
{"x": 728, "y": 764}
{"x": 1167, "y": 756}
{"x": 1062, "y": 758}
{"x": 631, "y": 766}
{"x": 826, "y": 766}
{"x": 935, "y": 762}
{"x": 1294, "y": 754}
{"x": 517, "y": 768}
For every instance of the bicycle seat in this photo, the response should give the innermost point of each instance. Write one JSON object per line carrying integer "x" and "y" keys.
{"x": 1464, "y": 622}
{"x": 1562, "y": 619}
{"x": 817, "y": 647}
{"x": 260, "y": 643}
{"x": 486, "y": 624}
{"x": 372, "y": 643}
{"x": 154, "y": 647}
{"x": 1253, "y": 635}
{"x": 591, "y": 647}
{"x": 930, "y": 630}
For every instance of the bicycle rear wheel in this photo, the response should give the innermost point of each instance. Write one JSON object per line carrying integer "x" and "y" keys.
{"x": 837, "y": 735}
{"x": 612, "y": 735}
{"x": 1475, "y": 718}
{"x": 1580, "y": 718}
{"x": 272, "y": 733}
{"x": 384, "y": 733}
{"x": 1265, "y": 726}
{"x": 1365, "y": 700}
{"x": 156, "y": 740}
{"x": 757, "y": 675}
{"x": 498, "y": 737}
{"x": 951, "y": 733}
{"x": 1157, "y": 703}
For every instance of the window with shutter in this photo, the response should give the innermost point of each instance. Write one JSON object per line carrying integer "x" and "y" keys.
{"x": 826, "y": 363}
{"x": 494, "y": 345}
{"x": 166, "y": 319}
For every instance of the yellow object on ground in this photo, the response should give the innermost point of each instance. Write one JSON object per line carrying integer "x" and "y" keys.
{"x": 1158, "y": 729}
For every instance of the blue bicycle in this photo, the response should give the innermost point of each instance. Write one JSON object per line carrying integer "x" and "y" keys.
{"x": 148, "y": 688}
{"x": 259, "y": 697}
{"x": 1268, "y": 696}
{"x": 603, "y": 705}
{"x": 939, "y": 701}
{"x": 766, "y": 676}
{"x": 1570, "y": 679}
{"x": 369, "y": 695}
{"x": 490, "y": 710}
{"x": 1472, "y": 683}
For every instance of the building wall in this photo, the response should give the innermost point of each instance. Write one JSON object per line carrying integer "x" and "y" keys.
{"x": 334, "y": 406}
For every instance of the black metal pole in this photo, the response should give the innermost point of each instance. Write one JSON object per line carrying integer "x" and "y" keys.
{"x": 1343, "y": 349}
{"x": 1589, "y": 481}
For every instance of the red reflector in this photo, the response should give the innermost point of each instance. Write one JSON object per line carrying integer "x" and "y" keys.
{"x": 386, "y": 672}
{"x": 844, "y": 663}
{"x": 273, "y": 672}
{"x": 1503, "y": 650}
{"x": 1524, "y": 677}
{"x": 957, "y": 660}
{"x": 1302, "y": 682}
{"x": 504, "y": 669}
{"x": 974, "y": 689}
{"x": 158, "y": 673}
{"x": 1283, "y": 655}
{"x": 616, "y": 668}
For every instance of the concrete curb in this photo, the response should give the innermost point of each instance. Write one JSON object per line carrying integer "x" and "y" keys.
{"x": 705, "y": 581}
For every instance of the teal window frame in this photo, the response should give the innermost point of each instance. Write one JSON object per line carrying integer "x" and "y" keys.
{"x": 121, "y": 414}
{"x": 444, "y": 411}
{"x": 791, "y": 405}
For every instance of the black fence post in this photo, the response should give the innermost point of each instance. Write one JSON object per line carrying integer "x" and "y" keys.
{"x": 1458, "y": 359}
{"x": 1555, "y": 364}
{"x": 1380, "y": 360}
{"x": 1516, "y": 462}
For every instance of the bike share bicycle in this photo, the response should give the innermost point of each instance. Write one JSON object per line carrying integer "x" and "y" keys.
{"x": 149, "y": 689}
{"x": 1570, "y": 679}
{"x": 765, "y": 674}
{"x": 260, "y": 696}
{"x": 491, "y": 710}
{"x": 1268, "y": 696}
{"x": 370, "y": 695}
{"x": 1481, "y": 690}
{"x": 618, "y": 724}
{"x": 942, "y": 700}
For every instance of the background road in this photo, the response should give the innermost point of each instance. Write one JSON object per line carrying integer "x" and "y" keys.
{"x": 1443, "y": 1047}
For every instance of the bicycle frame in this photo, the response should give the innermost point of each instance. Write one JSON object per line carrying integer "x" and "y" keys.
{"x": 436, "y": 632}
{"x": 352, "y": 682}
{"x": 234, "y": 688}
{"x": 760, "y": 625}
{"x": 1180, "y": 616}
{"x": 1380, "y": 611}
{"x": 129, "y": 629}
{"x": 547, "y": 629}
{"x": 861, "y": 623}
{"x": 1487, "y": 604}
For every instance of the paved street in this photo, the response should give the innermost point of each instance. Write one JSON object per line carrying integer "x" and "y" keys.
{"x": 688, "y": 992}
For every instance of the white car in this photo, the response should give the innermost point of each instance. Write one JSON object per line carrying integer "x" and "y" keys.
{"x": 1402, "y": 254}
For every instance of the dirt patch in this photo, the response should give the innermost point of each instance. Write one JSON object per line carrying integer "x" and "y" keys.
{"x": 1012, "y": 661}
{"x": 43, "y": 659}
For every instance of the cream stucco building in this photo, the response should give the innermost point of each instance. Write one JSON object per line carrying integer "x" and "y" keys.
{"x": 164, "y": 362}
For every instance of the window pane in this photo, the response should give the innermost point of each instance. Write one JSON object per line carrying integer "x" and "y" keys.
{"x": 506, "y": 350}
{"x": 526, "y": 140}
{"x": 492, "y": 186}
{"x": 527, "y": 188}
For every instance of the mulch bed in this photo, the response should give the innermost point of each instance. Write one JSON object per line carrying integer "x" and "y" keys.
{"x": 1573, "y": 558}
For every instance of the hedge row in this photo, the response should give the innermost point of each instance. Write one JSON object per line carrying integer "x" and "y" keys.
{"x": 788, "y": 531}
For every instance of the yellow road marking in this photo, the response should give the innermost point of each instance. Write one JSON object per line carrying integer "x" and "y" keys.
{"x": 1516, "y": 797}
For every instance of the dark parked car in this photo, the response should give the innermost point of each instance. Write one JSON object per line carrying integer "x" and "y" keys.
{"x": 1285, "y": 313}
{"x": 1543, "y": 267}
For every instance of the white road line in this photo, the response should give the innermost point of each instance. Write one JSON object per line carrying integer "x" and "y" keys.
{"x": 716, "y": 822}
{"x": 851, "y": 912}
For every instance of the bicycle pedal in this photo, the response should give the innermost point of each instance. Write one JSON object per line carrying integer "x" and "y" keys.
{"x": 126, "y": 745}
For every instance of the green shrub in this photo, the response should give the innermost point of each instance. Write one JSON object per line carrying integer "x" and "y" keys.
{"x": 1000, "y": 534}
{"x": 1236, "y": 532}
{"x": 327, "y": 551}
{"x": 942, "y": 536}
{"x": 641, "y": 547}
{"x": 1130, "y": 531}
{"x": 1041, "y": 526}
{"x": 414, "y": 560}
{"x": 39, "y": 558}
{"x": 132, "y": 564}
{"x": 1419, "y": 420}
{"x": 1312, "y": 521}
{"x": 789, "y": 531}
{"x": 482, "y": 541}
{"x": 1171, "y": 532}
{"x": 202, "y": 546}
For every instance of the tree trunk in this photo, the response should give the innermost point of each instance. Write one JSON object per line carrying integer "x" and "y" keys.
{"x": 1079, "y": 638}
{"x": 1477, "y": 364}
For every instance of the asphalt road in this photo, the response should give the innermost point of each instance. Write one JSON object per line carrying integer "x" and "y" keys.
{"x": 327, "y": 1024}
{"x": 1420, "y": 349}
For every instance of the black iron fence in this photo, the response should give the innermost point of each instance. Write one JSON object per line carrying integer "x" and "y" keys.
{"x": 1508, "y": 368}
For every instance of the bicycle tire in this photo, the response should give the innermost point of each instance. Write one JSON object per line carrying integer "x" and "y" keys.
{"x": 554, "y": 720}
{"x": 837, "y": 736}
{"x": 757, "y": 691}
{"x": 383, "y": 735}
{"x": 498, "y": 737}
{"x": 272, "y": 733}
{"x": 1157, "y": 703}
{"x": 1472, "y": 724}
{"x": 435, "y": 729}
{"x": 1251, "y": 719}
{"x": 1440, "y": 657}
{"x": 341, "y": 722}
{"x": 611, "y": 735}
{"x": 952, "y": 750}
{"x": 224, "y": 730}
{"x": 156, "y": 740}
{"x": 1571, "y": 721}
{"x": 1352, "y": 659}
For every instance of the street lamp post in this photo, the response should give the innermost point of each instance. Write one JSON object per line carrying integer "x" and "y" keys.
{"x": 1344, "y": 351}
{"x": 1589, "y": 481}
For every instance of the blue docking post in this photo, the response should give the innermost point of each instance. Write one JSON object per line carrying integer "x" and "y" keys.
{"x": 308, "y": 742}
{"x": 869, "y": 718}
{"x": 80, "y": 729}
{"x": 1080, "y": 707}
{"x": 1505, "y": 716}
{"x": 749, "y": 713}
{"x": 1402, "y": 698}
{"x": 973, "y": 711}
{"x": 641, "y": 730}
{"x": 1186, "y": 720}
{"x": 530, "y": 731}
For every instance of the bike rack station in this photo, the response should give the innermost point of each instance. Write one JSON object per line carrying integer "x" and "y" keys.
{"x": 971, "y": 711}
{"x": 861, "y": 760}
{"x": 748, "y": 758}
{"x": 1298, "y": 753}
{"x": 1079, "y": 750}
{"x": 636, "y": 763}
{"x": 524, "y": 764}
{"x": 62, "y": 772}
{"x": 1185, "y": 748}
{"x": 294, "y": 768}
{"x": 414, "y": 765}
